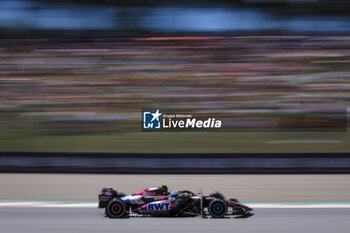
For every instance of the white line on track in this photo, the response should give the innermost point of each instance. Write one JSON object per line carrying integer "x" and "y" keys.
{"x": 304, "y": 141}
{"x": 44, "y": 204}
{"x": 299, "y": 205}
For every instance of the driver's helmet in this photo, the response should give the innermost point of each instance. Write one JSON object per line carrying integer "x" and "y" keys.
{"x": 173, "y": 196}
{"x": 173, "y": 193}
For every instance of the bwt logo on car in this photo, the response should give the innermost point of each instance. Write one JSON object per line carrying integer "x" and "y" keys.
{"x": 158, "y": 206}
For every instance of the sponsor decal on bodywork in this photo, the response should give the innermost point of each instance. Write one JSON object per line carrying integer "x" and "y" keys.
{"x": 158, "y": 206}
{"x": 133, "y": 199}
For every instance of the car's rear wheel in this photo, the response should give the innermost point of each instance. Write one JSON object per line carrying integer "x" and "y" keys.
{"x": 116, "y": 209}
{"x": 217, "y": 208}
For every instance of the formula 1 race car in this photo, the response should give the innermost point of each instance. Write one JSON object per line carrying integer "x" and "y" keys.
{"x": 147, "y": 195}
{"x": 158, "y": 202}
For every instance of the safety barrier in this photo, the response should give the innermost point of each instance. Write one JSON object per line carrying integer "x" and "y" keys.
{"x": 292, "y": 163}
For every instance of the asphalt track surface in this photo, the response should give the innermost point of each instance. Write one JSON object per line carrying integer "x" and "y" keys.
{"x": 247, "y": 188}
{"x": 54, "y": 220}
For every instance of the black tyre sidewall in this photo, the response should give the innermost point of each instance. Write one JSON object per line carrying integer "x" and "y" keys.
{"x": 212, "y": 213}
{"x": 110, "y": 205}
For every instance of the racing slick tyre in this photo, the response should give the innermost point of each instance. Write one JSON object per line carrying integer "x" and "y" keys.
{"x": 217, "y": 208}
{"x": 116, "y": 209}
{"x": 217, "y": 195}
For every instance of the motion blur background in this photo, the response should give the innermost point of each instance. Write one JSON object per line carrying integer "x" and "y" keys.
{"x": 74, "y": 75}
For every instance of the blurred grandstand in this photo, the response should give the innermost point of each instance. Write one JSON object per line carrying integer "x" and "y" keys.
{"x": 64, "y": 82}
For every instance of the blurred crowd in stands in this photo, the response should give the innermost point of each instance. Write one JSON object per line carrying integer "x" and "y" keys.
{"x": 54, "y": 86}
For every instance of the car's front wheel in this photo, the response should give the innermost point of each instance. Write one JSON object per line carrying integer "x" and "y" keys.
{"x": 217, "y": 208}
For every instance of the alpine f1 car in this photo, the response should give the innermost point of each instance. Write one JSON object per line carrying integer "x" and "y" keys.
{"x": 158, "y": 202}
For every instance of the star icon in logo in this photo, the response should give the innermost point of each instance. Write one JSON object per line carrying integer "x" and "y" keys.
{"x": 156, "y": 115}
